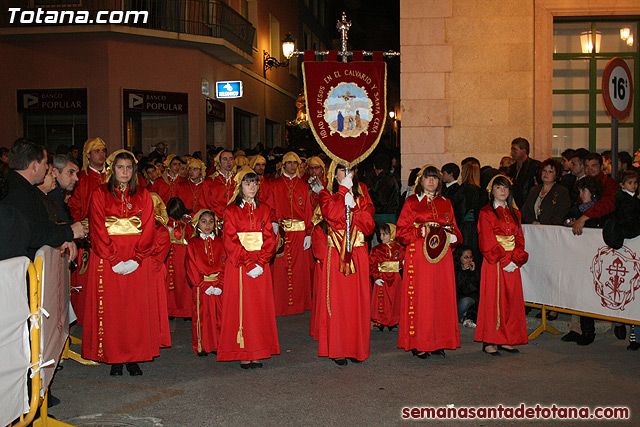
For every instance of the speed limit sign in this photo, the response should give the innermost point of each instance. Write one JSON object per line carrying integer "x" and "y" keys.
{"x": 617, "y": 88}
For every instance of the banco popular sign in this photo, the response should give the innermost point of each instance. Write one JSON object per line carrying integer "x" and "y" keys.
{"x": 52, "y": 101}
{"x": 144, "y": 101}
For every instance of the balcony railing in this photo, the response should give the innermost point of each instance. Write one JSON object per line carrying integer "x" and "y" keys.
{"x": 210, "y": 18}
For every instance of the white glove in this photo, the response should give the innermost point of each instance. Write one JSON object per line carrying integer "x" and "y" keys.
{"x": 347, "y": 182}
{"x": 120, "y": 268}
{"x": 349, "y": 200}
{"x": 307, "y": 243}
{"x": 210, "y": 290}
{"x": 275, "y": 227}
{"x": 316, "y": 185}
{"x": 423, "y": 231}
{"x": 453, "y": 238}
{"x": 380, "y": 282}
{"x": 217, "y": 291}
{"x": 257, "y": 271}
{"x": 131, "y": 266}
{"x": 511, "y": 267}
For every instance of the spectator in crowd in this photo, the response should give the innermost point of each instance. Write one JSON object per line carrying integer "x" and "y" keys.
{"x": 467, "y": 286}
{"x": 4, "y": 160}
{"x": 625, "y": 162}
{"x": 158, "y": 152}
{"x": 29, "y": 163}
{"x": 65, "y": 171}
{"x": 413, "y": 175}
{"x": 384, "y": 192}
{"x": 74, "y": 153}
{"x": 15, "y": 233}
{"x": 549, "y": 202}
{"x": 606, "y": 162}
{"x": 577, "y": 170}
{"x": 450, "y": 174}
{"x": 523, "y": 171}
{"x": 467, "y": 203}
{"x": 606, "y": 204}
{"x": 46, "y": 187}
{"x": 567, "y": 179}
{"x": 625, "y": 222}
{"x": 505, "y": 164}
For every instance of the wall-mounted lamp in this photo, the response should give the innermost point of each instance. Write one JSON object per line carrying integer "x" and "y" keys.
{"x": 288, "y": 46}
{"x": 392, "y": 114}
{"x": 587, "y": 41}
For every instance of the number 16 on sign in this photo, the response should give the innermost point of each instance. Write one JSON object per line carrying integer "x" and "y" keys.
{"x": 617, "y": 93}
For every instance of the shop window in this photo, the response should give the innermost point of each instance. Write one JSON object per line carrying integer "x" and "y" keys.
{"x": 245, "y": 129}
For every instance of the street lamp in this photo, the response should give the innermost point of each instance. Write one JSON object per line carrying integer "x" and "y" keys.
{"x": 288, "y": 46}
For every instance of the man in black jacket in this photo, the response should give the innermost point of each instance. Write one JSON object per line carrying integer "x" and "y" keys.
{"x": 28, "y": 161}
{"x": 523, "y": 171}
{"x": 384, "y": 192}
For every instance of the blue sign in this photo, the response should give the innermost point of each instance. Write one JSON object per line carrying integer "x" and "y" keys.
{"x": 228, "y": 90}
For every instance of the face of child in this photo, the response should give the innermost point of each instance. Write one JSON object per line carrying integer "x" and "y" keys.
{"x": 466, "y": 259}
{"x": 249, "y": 189}
{"x": 385, "y": 237}
{"x": 631, "y": 185}
{"x": 430, "y": 183}
{"x": 123, "y": 170}
{"x": 500, "y": 193}
{"x": 585, "y": 195}
{"x": 206, "y": 224}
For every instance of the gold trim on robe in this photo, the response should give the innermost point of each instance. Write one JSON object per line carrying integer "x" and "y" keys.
{"x": 211, "y": 277}
{"x": 251, "y": 240}
{"x": 389, "y": 266}
{"x": 130, "y": 226}
{"x": 336, "y": 240}
{"x": 290, "y": 224}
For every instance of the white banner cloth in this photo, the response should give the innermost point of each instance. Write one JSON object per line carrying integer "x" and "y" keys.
{"x": 14, "y": 339}
{"x": 581, "y": 272}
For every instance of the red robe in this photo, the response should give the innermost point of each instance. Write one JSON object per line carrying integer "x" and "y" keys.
{"x": 159, "y": 254}
{"x": 292, "y": 271}
{"x": 195, "y": 197}
{"x": 220, "y": 193}
{"x": 205, "y": 257}
{"x": 343, "y": 322}
{"x": 248, "y": 302}
{"x": 173, "y": 185}
{"x": 429, "y": 314}
{"x": 501, "y": 317}
{"x": 121, "y": 311}
{"x": 178, "y": 290}
{"x": 161, "y": 188}
{"x": 319, "y": 248}
{"x": 79, "y": 207}
{"x": 265, "y": 190}
{"x": 385, "y": 300}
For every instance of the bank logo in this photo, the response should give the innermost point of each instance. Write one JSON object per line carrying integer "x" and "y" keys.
{"x": 347, "y": 110}
{"x": 136, "y": 101}
{"x": 30, "y": 101}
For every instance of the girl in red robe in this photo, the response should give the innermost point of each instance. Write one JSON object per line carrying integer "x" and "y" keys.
{"x": 180, "y": 232}
{"x": 319, "y": 250}
{"x": 501, "y": 318}
{"x": 385, "y": 263}
{"x": 427, "y": 226}
{"x": 158, "y": 256}
{"x": 248, "y": 320}
{"x": 121, "y": 312}
{"x": 343, "y": 324}
{"x": 205, "y": 270}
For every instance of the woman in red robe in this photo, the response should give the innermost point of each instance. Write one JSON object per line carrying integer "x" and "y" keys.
{"x": 343, "y": 324}
{"x": 205, "y": 270}
{"x": 161, "y": 247}
{"x": 248, "y": 320}
{"x": 121, "y": 312}
{"x": 319, "y": 250}
{"x": 501, "y": 318}
{"x": 180, "y": 232}
{"x": 385, "y": 263}
{"x": 427, "y": 226}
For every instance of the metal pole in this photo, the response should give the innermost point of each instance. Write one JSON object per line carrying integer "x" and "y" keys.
{"x": 343, "y": 27}
{"x": 614, "y": 148}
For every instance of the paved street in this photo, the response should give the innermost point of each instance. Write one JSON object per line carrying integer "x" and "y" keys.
{"x": 299, "y": 388}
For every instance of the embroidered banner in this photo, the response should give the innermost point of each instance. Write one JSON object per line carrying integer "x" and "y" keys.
{"x": 346, "y": 107}
{"x": 581, "y": 272}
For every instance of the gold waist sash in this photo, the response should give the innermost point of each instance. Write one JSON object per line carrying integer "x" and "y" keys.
{"x": 130, "y": 226}
{"x": 251, "y": 240}
{"x": 432, "y": 224}
{"x": 211, "y": 277}
{"x": 507, "y": 242}
{"x": 389, "y": 266}
{"x": 290, "y": 224}
{"x": 357, "y": 242}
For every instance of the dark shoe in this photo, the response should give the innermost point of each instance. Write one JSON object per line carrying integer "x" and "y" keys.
{"x": 508, "y": 350}
{"x": 52, "y": 401}
{"x": 633, "y": 346}
{"x": 391, "y": 328}
{"x": 572, "y": 336}
{"x": 116, "y": 370}
{"x": 620, "y": 331}
{"x": 255, "y": 365}
{"x": 439, "y": 353}
{"x": 246, "y": 365}
{"x": 341, "y": 362}
{"x": 203, "y": 354}
{"x": 585, "y": 339}
{"x": 379, "y": 326}
{"x": 552, "y": 315}
{"x": 420, "y": 354}
{"x": 187, "y": 319}
{"x": 134, "y": 369}
{"x": 490, "y": 353}
{"x": 354, "y": 360}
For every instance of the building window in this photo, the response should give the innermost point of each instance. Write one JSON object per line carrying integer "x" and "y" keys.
{"x": 581, "y": 50}
{"x": 272, "y": 133}
{"x": 56, "y": 129}
{"x": 274, "y": 38}
{"x": 245, "y": 129}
